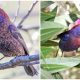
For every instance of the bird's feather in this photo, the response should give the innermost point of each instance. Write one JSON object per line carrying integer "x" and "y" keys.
{"x": 30, "y": 70}
{"x": 14, "y": 31}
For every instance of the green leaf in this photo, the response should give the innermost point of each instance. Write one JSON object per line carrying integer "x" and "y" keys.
{"x": 73, "y": 17}
{"x": 57, "y": 75}
{"x": 78, "y": 66}
{"x": 49, "y": 16}
{"x": 54, "y": 65}
{"x": 45, "y": 51}
{"x": 45, "y": 4}
{"x": 49, "y": 67}
{"x": 46, "y": 75}
{"x": 50, "y": 43}
{"x": 50, "y": 30}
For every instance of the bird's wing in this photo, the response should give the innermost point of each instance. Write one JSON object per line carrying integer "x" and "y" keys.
{"x": 15, "y": 33}
{"x": 30, "y": 70}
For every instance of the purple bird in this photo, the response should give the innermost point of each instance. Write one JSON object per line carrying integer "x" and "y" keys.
{"x": 70, "y": 40}
{"x": 11, "y": 41}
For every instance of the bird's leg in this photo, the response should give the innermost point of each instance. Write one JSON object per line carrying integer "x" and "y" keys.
{"x": 76, "y": 50}
{"x": 62, "y": 53}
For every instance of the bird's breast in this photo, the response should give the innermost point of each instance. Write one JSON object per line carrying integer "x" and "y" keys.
{"x": 76, "y": 41}
{"x": 68, "y": 45}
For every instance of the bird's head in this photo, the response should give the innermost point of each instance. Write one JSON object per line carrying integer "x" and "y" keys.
{"x": 3, "y": 16}
{"x": 64, "y": 36}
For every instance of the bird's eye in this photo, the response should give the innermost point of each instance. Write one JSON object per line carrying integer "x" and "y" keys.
{"x": 65, "y": 37}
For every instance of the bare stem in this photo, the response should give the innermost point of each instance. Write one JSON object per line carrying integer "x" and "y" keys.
{"x": 17, "y": 12}
{"x": 26, "y": 16}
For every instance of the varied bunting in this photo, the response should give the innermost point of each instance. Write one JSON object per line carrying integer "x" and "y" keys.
{"x": 11, "y": 41}
{"x": 70, "y": 40}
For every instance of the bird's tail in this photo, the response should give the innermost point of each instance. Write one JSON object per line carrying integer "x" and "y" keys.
{"x": 30, "y": 70}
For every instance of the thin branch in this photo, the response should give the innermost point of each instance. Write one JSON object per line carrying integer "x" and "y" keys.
{"x": 20, "y": 61}
{"x": 17, "y": 12}
{"x": 30, "y": 27}
{"x": 26, "y": 16}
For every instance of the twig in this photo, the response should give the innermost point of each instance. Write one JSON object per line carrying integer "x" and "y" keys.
{"x": 26, "y": 16}
{"x": 30, "y": 28}
{"x": 20, "y": 61}
{"x": 17, "y": 12}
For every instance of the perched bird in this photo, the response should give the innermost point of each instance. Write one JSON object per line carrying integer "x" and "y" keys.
{"x": 11, "y": 41}
{"x": 70, "y": 40}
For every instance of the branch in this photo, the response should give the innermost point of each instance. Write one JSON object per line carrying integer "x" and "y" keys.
{"x": 20, "y": 61}
{"x": 19, "y": 25}
{"x": 17, "y": 12}
{"x": 30, "y": 28}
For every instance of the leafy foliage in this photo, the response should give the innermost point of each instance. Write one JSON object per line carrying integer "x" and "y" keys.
{"x": 46, "y": 75}
{"x": 50, "y": 29}
{"x": 45, "y": 4}
{"x": 59, "y": 64}
{"x": 48, "y": 16}
{"x": 73, "y": 16}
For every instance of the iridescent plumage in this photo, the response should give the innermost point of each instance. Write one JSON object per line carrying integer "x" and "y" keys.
{"x": 70, "y": 40}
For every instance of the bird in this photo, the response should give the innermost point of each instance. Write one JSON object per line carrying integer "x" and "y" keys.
{"x": 11, "y": 41}
{"x": 70, "y": 40}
